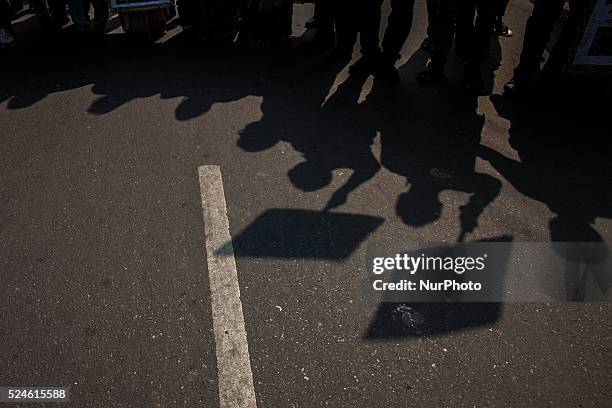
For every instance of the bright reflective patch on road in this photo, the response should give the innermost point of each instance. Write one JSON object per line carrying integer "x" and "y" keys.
{"x": 236, "y": 388}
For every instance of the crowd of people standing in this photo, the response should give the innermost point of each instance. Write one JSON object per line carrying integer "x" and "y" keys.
{"x": 266, "y": 24}
{"x": 53, "y": 16}
{"x": 468, "y": 23}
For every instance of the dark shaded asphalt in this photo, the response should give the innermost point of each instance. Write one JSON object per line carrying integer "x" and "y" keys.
{"x": 102, "y": 266}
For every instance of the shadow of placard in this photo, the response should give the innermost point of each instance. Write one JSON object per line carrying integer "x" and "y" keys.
{"x": 303, "y": 234}
{"x": 443, "y": 313}
{"x": 394, "y": 321}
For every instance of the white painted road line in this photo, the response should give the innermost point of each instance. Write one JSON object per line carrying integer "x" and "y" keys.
{"x": 236, "y": 388}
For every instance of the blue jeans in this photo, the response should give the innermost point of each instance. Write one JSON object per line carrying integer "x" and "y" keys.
{"x": 79, "y": 11}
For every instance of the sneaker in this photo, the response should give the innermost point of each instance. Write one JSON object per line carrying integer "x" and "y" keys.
{"x": 6, "y": 38}
{"x": 503, "y": 30}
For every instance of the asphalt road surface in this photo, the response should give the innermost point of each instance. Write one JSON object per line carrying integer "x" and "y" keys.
{"x": 104, "y": 278}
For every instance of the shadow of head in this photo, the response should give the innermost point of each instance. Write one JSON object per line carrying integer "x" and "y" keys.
{"x": 256, "y": 137}
{"x": 419, "y": 207}
{"x": 190, "y": 108}
{"x": 307, "y": 176}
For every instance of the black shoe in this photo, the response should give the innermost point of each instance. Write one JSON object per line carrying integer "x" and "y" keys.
{"x": 432, "y": 74}
{"x": 502, "y": 30}
{"x": 365, "y": 66}
{"x": 427, "y": 44}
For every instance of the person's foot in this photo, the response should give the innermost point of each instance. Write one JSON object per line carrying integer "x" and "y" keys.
{"x": 502, "y": 30}
{"x": 365, "y": 66}
{"x": 427, "y": 44}
{"x": 6, "y": 38}
{"x": 432, "y": 74}
{"x": 386, "y": 70}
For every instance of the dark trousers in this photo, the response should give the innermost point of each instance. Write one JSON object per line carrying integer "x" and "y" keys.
{"x": 537, "y": 35}
{"x": 5, "y": 14}
{"x": 465, "y": 20}
{"x": 432, "y": 16}
{"x": 475, "y": 37}
{"x": 324, "y": 14}
{"x": 346, "y": 24}
{"x": 329, "y": 13}
{"x": 434, "y": 5}
{"x": 398, "y": 29}
{"x": 335, "y": 15}
{"x": 501, "y": 7}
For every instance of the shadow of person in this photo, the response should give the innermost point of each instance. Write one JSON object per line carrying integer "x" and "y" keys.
{"x": 47, "y": 63}
{"x": 562, "y": 165}
{"x": 331, "y": 132}
{"x": 350, "y": 145}
{"x": 327, "y": 126}
{"x": 431, "y": 138}
{"x": 177, "y": 69}
{"x": 434, "y": 147}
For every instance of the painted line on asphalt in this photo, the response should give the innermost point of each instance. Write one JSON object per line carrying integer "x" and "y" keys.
{"x": 236, "y": 388}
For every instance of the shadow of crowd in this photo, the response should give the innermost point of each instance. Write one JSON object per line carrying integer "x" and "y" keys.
{"x": 431, "y": 139}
